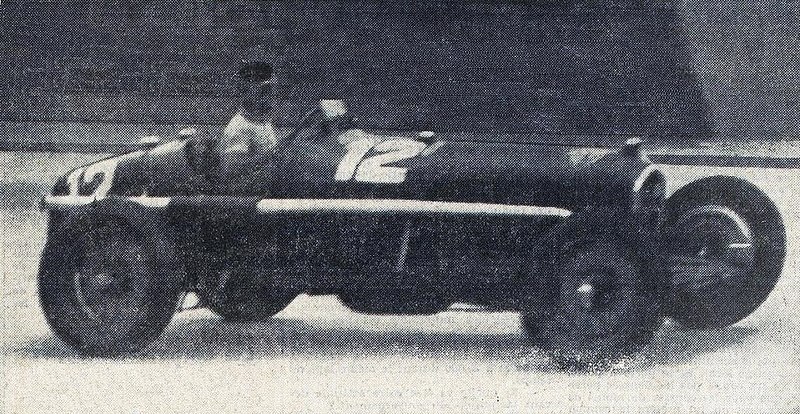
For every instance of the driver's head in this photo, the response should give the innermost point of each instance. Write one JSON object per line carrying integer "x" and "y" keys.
{"x": 255, "y": 88}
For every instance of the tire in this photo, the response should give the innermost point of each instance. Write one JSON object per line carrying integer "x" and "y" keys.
{"x": 395, "y": 301}
{"x": 109, "y": 280}
{"x": 726, "y": 246}
{"x": 249, "y": 305}
{"x": 594, "y": 299}
{"x": 244, "y": 294}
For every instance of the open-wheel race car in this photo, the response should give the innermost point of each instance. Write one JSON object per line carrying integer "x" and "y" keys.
{"x": 582, "y": 242}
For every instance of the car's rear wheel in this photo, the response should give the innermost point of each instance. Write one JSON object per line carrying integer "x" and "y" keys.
{"x": 593, "y": 300}
{"x": 243, "y": 290}
{"x": 245, "y": 297}
{"x": 109, "y": 282}
{"x": 725, "y": 250}
{"x": 408, "y": 300}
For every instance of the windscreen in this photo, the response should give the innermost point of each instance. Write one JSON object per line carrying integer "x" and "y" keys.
{"x": 536, "y": 67}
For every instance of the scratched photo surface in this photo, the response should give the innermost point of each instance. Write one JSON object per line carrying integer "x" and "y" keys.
{"x": 711, "y": 88}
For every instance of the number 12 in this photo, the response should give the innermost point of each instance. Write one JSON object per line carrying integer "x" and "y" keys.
{"x": 374, "y": 169}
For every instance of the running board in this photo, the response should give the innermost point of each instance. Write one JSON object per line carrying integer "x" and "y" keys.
{"x": 316, "y": 206}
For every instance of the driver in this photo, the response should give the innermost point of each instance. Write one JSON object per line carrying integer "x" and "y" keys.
{"x": 249, "y": 134}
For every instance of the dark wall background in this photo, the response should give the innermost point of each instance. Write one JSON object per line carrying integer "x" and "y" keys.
{"x": 665, "y": 69}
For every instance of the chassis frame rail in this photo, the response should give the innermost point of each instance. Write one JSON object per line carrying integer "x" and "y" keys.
{"x": 314, "y": 206}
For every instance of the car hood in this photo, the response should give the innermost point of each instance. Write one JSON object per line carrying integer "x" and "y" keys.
{"x": 392, "y": 165}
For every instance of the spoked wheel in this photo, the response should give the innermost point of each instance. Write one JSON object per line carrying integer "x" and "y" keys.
{"x": 595, "y": 304}
{"x": 111, "y": 268}
{"x": 726, "y": 246}
{"x": 106, "y": 287}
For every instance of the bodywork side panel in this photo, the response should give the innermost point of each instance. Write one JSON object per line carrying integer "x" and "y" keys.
{"x": 328, "y": 252}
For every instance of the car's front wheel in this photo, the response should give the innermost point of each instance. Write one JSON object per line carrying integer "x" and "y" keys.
{"x": 591, "y": 298}
{"x": 726, "y": 246}
{"x": 600, "y": 309}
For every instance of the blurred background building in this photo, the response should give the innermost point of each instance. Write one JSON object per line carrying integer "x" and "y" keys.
{"x": 666, "y": 69}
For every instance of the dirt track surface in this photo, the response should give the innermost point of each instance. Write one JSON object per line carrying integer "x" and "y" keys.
{"x": 317, "y": 356}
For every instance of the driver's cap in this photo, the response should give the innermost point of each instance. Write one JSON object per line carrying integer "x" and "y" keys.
{"x": 254, "y": 71}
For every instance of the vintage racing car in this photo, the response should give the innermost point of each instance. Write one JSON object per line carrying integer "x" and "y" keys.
{"x": 582, "y": 242}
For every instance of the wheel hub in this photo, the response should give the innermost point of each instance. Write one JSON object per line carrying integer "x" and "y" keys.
{"x": 102, "y": 282}
{"x": 586, "y": 295}
{"x": 596, "y": 292}
{"x": 709, "y": 245}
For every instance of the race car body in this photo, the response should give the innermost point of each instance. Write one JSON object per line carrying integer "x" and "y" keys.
{"x": 437, "y": 185}
{"x": 391, "y": 222}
